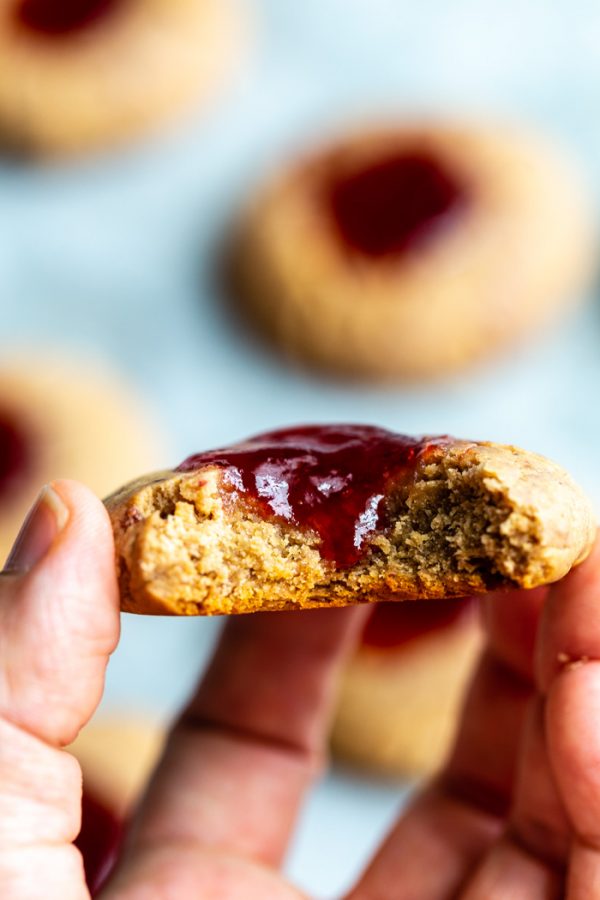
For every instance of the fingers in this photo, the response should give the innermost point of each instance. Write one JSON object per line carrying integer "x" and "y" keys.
{"x": 59, "y": 615}
{"x": 436, "y": 846}
{"x": 58, "y": 623}
{"x": 40, "y": 814}
{"x": 441, "y": 839}
{"x": 569, "y": 671}
{"x": 573, "y": 729}
{"x": 557, "y": 788}
{"x": 569, "y": 630}
{"x": 250, "y": 743}
{"x": 511, "y": 622}
{"x": 186, "y": 872}
{"x": 528, "y": 861}
{"x": 511, "y": 872}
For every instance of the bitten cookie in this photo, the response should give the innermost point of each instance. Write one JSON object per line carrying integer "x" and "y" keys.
{"x": 332, "y": 515}
{"x": 84, "y": 74}
{"x": 401, "y": 692}
{"x": 65, "y": 419}
{"x": 411, "y": 251}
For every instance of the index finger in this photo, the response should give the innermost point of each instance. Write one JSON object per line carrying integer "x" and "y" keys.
{"x": 251, "y": 741}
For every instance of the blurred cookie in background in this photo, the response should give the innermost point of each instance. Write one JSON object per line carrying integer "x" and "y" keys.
{"x": 117, "y": 753}
{"x": 401, "y": 693}
{"x": 411, "y": 251}
{"x": 64, "y": 418}
{"x": 81, "y": 74}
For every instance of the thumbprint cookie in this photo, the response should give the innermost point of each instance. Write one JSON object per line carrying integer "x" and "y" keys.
{"x": 62, "y": 418}
{"x": 83, "y": 74}
{"x": 401, "y": 692}
{"x": 323, "y": 515}
{"x": 412, "y": 251}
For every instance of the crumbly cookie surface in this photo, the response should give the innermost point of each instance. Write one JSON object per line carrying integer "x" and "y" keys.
{"x": 514, "y": 254}
{"x": 461, "y": 518}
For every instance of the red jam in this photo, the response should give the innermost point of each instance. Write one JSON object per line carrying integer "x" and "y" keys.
{"x": 329, "y": 478}
{"x": 14, "y": 454}
{"x": 397, "y": 202}
{"x": 61, "y": 17}
{"x": 99, "y": 841}
{"x": 392, "y": 625}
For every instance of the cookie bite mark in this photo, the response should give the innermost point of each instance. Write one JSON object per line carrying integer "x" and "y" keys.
{"x": 334, "y": 515}
{"x": 327, "y": 479}
{"x": 58, "y": 18}
{"x": 15, "y": 454}
{"x": 391, "y": 626}
{"x": 393, "y": 203}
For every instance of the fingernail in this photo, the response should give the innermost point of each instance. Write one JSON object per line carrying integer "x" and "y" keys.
{"x": 45, "y": 520}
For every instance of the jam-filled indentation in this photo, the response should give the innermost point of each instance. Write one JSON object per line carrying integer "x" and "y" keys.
{"x": 392, "y": 625}
{"x": 331, "y": 479}
{"x": 62, "y": 17}
{"x": 15, "y": 453}
{"x": 99, "y": 840}
{"x": 393, "y": 203}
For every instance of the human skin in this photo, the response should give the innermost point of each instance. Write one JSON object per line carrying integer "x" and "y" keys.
{"x": 515, "y": 813}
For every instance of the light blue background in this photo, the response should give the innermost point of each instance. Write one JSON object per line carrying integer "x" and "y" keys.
{"x": 115, "y": 256}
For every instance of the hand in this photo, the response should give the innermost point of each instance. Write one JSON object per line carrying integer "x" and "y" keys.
{"x": 515, "y": 814}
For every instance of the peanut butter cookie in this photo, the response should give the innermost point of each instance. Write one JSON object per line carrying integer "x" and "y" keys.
{"x": 411, "y": 251}
{"x": 401, "y": 691}
{"x": 334, "y": 515}
{"x": 83, "y": 74}
{"x": 62, "y": 418}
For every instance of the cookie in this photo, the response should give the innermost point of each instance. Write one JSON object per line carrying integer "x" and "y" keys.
{"x": 412, "y": 251}
{"x": 332, "y": 515}
{"x": 402, "y": 690}
{"x": 86, "y": 74}
{"x": 117, "y": 752}
{"x": 62, "y": 418}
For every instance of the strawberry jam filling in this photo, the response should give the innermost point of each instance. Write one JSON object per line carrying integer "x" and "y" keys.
{"x": 393, "y": 204}
{"x": 393, "y": 625}
{"x": 331, "y": 479}
{"x": 62, "y": 17}
{"x": 98, "y": 841}
{"x": 15, "y": 454}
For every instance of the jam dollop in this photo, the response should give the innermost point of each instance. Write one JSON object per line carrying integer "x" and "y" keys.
{"x": 99, "y": 840}
{"x": 62, "y": 17}
{"x": 392, "y": 625}
{"x": 400, "y": 200}
{"x": 329, "y": 478}
{"x": 15, "y": 453}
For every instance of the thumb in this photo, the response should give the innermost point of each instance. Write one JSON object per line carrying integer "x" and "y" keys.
{"x": 59, "y": 622}
{"x": 59, "y": 614}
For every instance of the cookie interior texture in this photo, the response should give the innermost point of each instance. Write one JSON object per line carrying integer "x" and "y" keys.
{"x": 472, "y": 517}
